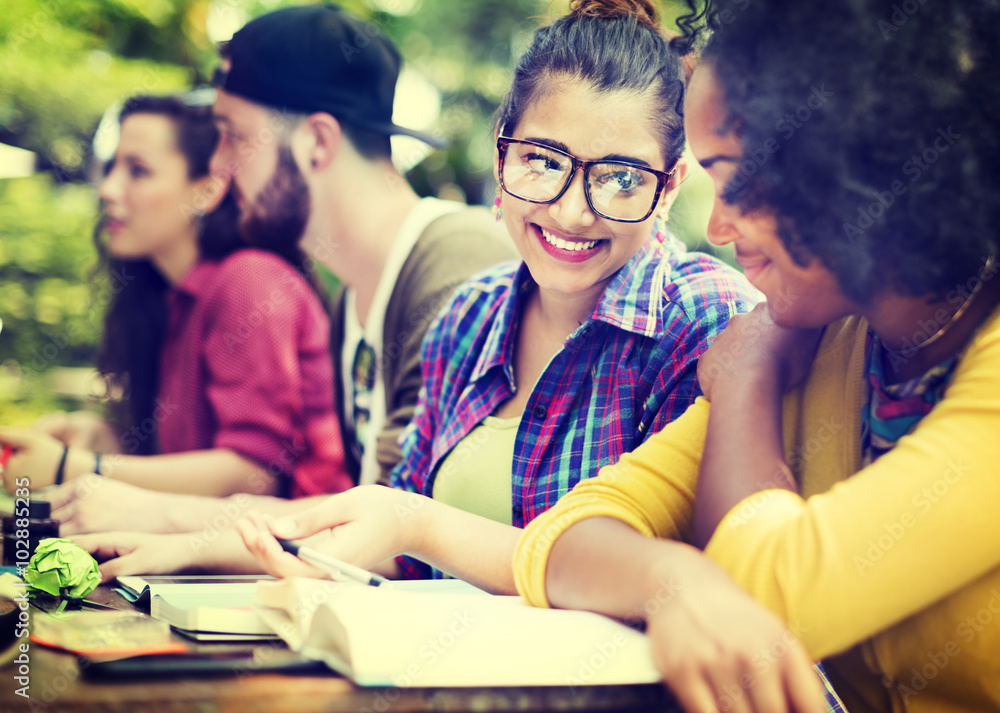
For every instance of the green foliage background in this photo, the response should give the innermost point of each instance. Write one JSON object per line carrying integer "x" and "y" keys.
{"x": 64, "y": 62}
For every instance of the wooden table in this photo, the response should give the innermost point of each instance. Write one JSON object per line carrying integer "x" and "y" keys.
{"x": 57, "y": 685}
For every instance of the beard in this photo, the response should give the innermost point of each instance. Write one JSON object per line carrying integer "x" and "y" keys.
{"x": 277, "y": 218}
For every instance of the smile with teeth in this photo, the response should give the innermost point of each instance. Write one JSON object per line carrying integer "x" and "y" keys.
{"x": 566, "y": 244}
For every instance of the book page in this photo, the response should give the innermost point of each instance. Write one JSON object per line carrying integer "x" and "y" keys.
{"x": 420, "y": 639}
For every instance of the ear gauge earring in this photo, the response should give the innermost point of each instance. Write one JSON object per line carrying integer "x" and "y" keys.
{"x": 497, "y": 208}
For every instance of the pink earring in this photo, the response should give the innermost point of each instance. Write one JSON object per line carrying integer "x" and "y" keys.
{"x": 497, "y": 208}
{"x": 660, "y": 227}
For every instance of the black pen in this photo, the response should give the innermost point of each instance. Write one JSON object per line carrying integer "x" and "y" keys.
{"x": 334, "y": 566}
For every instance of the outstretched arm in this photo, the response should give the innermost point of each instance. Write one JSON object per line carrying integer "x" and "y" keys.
{"x": 214, "y": 547}
{"x": 123, "y": 553}
{"x": 94, "y": 504}
{"x": 707, "y": 633}
{"x": 218, "y": 471}
{"x": 371, "y": 524}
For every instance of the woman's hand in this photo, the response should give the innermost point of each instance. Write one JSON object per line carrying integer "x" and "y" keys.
{"x": 752, "y": 342}
{"x": 35, "y": 456}
{"x": 122, "y": 553}
{"x": 80, "y": 429}
{"x": 363, "y": 526}
{"x": 92, "y": 503}
{"x": 718, "y": 649}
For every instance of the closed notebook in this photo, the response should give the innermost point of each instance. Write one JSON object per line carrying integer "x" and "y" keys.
{"x": 207, "y": 608}
{"x": 392, "y": 636}
{"x": 138, "y": 589}
{"x": 210, "y": 615}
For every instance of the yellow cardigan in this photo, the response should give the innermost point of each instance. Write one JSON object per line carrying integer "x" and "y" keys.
{"x": 891, "y": 573}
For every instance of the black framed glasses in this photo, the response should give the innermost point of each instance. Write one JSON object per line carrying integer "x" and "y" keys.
{"x": 616, "y": 190}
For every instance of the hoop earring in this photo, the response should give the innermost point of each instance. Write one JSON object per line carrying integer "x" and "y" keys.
{"x": 497, "y": 208}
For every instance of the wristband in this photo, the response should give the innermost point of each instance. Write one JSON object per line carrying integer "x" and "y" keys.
{"x": 61, "y": 470}
{"x": 97, "y": 464}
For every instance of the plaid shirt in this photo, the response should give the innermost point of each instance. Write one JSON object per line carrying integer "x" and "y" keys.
{"x": 623, "y": 374}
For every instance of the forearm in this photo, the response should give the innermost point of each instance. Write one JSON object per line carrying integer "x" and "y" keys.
{"x": 186, "y": 513}
{"x": 601, "y": 564}
{"x": 220, "y": 552}
{"x": 464, "y": 545}
{"x": 217, "y": 472}
{"x": 744, "y": 451}
{"x": 215, "y": 546}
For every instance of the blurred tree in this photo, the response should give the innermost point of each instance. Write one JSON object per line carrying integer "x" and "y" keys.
{"x": 48, "y": 307}
{"x": 65, "y": 62}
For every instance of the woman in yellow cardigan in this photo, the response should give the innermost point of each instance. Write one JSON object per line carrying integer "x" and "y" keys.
{"x": 849, "y": 486}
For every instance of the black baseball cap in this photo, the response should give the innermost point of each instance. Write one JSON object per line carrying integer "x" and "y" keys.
{"x": 317, "y": 58}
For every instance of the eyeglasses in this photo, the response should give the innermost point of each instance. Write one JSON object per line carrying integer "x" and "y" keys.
{"x": 616, "y": 190}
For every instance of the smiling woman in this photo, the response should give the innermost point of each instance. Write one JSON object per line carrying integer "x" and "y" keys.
{"x": 571, "y": 246}
{"x": 538, "y": 373}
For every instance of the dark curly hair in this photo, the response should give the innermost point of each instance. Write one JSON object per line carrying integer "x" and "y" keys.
{"x": 613, "y": 45}
{"x": 887, "y": 125}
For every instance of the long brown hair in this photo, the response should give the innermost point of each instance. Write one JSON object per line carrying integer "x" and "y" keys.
{"x": 136, "y": 317}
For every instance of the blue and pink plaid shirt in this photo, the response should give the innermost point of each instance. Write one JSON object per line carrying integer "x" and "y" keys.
{"x": 623, "y": 374}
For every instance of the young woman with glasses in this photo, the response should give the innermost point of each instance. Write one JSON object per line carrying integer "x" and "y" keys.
{"x": 220, "y": 352}
{"x": 538, "y": 373}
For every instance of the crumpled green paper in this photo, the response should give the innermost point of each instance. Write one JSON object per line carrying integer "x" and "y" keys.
{"x": 61, "y": 568}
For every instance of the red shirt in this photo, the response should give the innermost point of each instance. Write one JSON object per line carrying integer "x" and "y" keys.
{"x": 246, "y": 366}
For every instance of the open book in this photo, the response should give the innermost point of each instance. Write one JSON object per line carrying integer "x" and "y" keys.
{"x": 392, "y": 636}
{"x": 203, "y": 608}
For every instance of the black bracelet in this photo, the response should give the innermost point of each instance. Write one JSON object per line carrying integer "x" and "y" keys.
{"x": 61, "y": 470}
{"x": 97, "y": 463}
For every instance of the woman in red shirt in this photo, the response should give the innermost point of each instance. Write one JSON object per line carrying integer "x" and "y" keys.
{"x": 218, "y": 353}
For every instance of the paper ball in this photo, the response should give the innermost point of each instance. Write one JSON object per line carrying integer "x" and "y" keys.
{"x": 61, "y": 568}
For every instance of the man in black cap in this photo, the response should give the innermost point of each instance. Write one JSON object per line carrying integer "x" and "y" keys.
{"x": 304, "y": 109}
{"x": 305, "y": 97}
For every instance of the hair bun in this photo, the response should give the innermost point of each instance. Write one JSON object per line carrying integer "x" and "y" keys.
{"x": 643, "y": 10}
